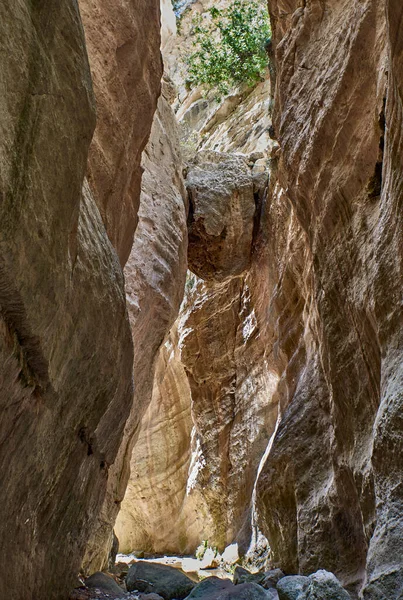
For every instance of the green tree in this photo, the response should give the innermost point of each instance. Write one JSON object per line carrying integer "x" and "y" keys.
{"x": 230, "y": 46}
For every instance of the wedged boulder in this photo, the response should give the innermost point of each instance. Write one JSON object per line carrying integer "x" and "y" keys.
{"x": 106, "y": 584}
{"x": 214, "y": 588}
{"x": 155, "y": 578}
{"x": 291, "y": 587}
{"x": 221, "y": 217}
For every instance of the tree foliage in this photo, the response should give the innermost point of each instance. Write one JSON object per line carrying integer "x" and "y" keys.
{"x": 230, "y": 46}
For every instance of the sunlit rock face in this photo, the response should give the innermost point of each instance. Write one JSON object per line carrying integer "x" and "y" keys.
{"x": 123, "y": 42}
{"x": 153, "y": 515}
{"x": 330, "y": 490}
{"x": 124, "y": 51}
{"x": 65, "y": 344}
{"x": 155, "y": 277}
{"x": 238, "y": 122}
{"x": 213, "y": 410}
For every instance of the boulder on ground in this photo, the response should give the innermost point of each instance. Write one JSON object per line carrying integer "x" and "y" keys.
{"x": 213, "y": 588}
{"x": 291, "y": 587}
{"x": 242, "y": 575}
{"x": 323, "y": 585}
{"x": 271, "y": 578}
{"x": 155, "y": 578}
{"x": 106, "y": 584}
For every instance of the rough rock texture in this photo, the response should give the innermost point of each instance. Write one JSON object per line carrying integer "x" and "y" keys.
{"x": 166, "y": 581}
{"x": 195, "y": 462}
{"x": 154, "y": 515}
{"x": 65, "y": 346}
{"x": 221, "y": 215}
{"x": 123, "y": 41}
{"x": 155, "y": 276}
{"x": 238, "y": 122}
{"x": 304, "y": 347}
{"x": 334, "y": 220}
{"x": 213, "y": 588}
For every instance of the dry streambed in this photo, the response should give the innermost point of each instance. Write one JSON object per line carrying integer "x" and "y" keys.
{"x": 149, "y": 580}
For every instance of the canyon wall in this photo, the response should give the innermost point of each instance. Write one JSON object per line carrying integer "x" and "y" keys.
{"x": 293, "y": 361}
{"x": 156, "y": 267}
{"x": 155, "y": 277}
{"x": 67, "y": 352}
{"x": 123, "y": 43}
{"x": 329, "y": 493}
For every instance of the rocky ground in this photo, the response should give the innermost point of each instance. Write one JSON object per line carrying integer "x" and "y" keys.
{"x": 144, "y": 580}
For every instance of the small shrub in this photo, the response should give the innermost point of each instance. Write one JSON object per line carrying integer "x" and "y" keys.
{"x": 230, "y": 46}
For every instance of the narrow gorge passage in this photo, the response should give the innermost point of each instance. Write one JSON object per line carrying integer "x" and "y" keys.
{"x": 201, "y": 275}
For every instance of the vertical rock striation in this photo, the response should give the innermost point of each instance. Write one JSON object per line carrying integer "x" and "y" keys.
{"x": 155, "y": 277}
{"x": 333, "y": 472}
{"x": 66, "y": 351}
{"x": 124, "y": 49}
{"x": 123, "y": 41}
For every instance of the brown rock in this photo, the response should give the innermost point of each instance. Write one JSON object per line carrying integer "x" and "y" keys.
{"x": 153, "y": 514}
{"x": 334, "y": 463}
{"x": 123, "y": 42}
{"x": 65, "y": 346}
{"x": 222, "y": 209}
{"x": 155, "y": 276}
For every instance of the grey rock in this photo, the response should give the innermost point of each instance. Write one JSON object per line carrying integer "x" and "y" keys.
{"x": 105, "y": 583}
{"x": 221, "y": 217}
{"x": 242, "y": 575}
{"x": 290, "y": 588}
{"x": 271, "y": 578}
{"x": 323, "y": 585}
{"x": 211, "y": 587}
{"x": 155, "y": 578}
{"x": 214, "y": 588}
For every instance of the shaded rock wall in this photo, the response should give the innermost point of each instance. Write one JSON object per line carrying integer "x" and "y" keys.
{"x": 124, "y": 50}
{"x": 333, "y": 472}
{"x": 65, "y": 344}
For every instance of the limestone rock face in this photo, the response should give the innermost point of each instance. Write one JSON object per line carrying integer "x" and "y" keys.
{"x": 66, "y": 351}
{"x": 206, "y": 429}
{"x": 123, "y": 42}
{"x": 155, "y": 276}
{"x": 222, "y": 208}
{"x": 154, "y": 515}
{"x": 334, "y": 214}
{"x": 124, "y": 51}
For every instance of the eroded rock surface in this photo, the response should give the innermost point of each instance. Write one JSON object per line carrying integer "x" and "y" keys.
{"x": 154, "y": 515}
{"x": 155, "y": 276}
{"x": 66, "y": 352}
{"x": 331, "y": 474}
{"x": 123, "y": 42}
{"x": 221, "y": 219}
